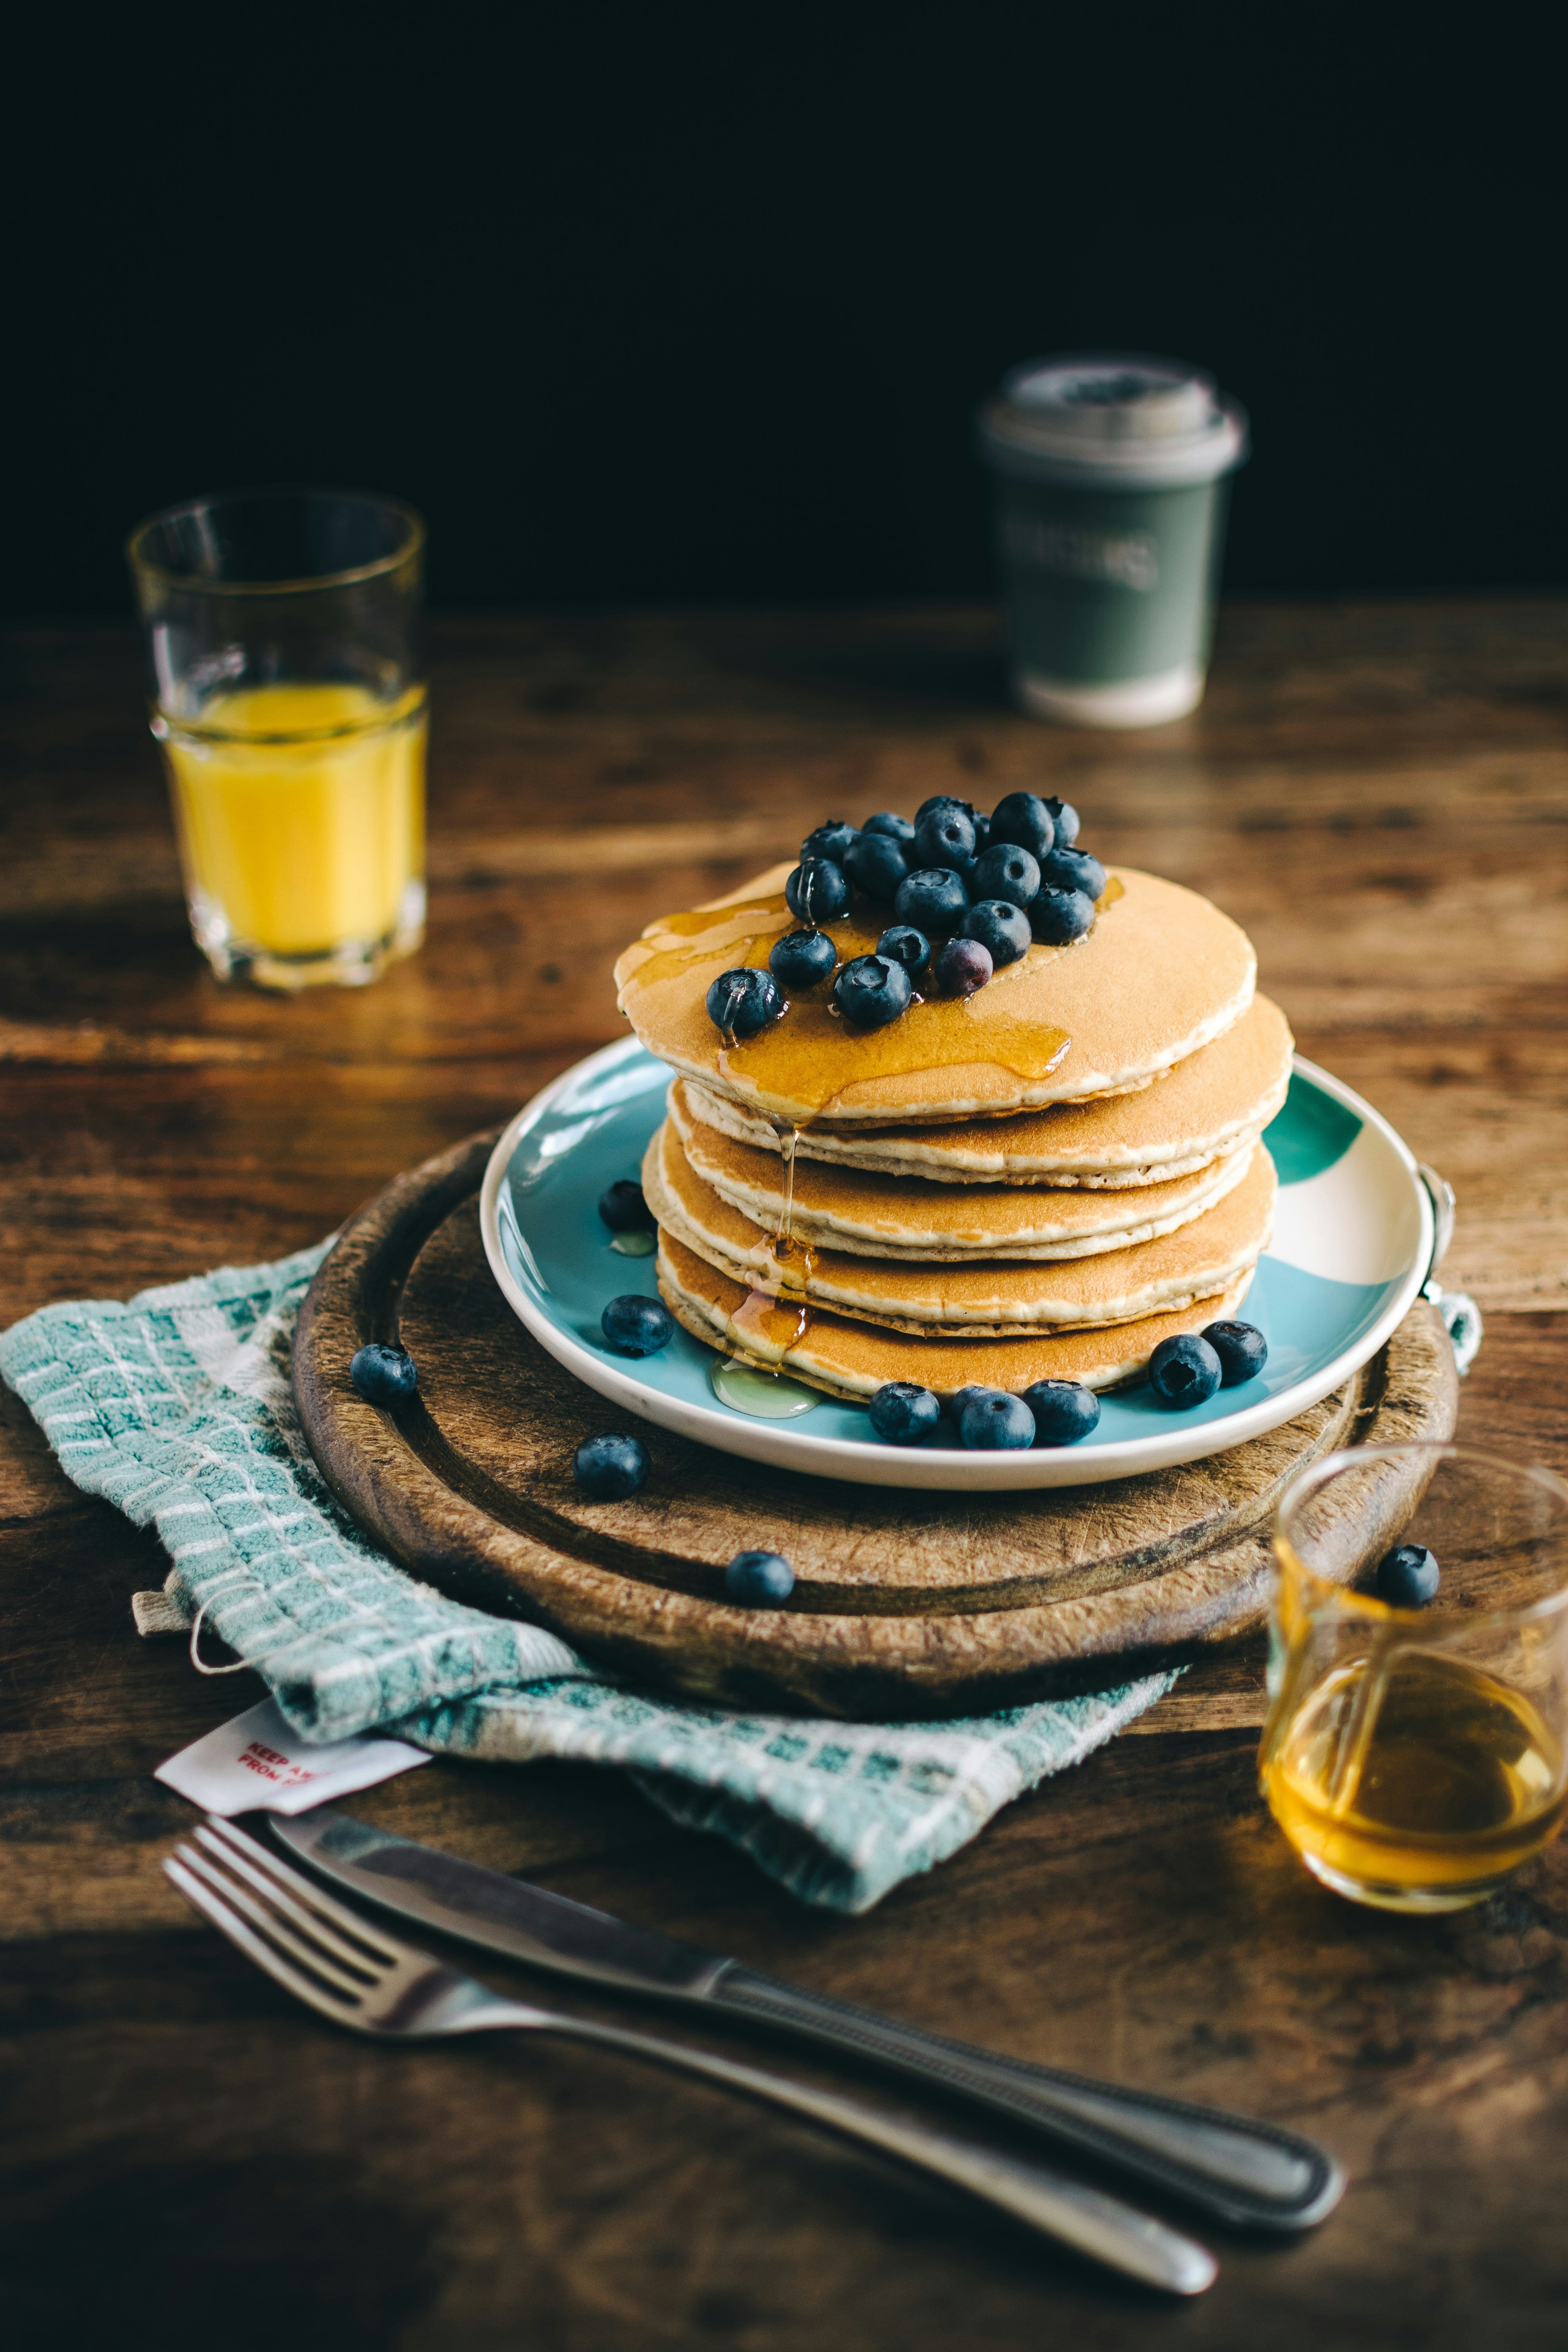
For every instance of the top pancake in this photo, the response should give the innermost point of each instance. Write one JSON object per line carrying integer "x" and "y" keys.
{"x": 1205, "y": 1108}
{"x": 1160, "y": 975}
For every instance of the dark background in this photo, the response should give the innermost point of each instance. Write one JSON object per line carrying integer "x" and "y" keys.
{"x": 662, "y": 303}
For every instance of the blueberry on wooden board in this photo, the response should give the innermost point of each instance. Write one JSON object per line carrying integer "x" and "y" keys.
{"x": 383, "y": 1375}
{"x": 608, "y": 1469}
{"x": 759, "y": 1579}
{"x": 1408, "y": 1577}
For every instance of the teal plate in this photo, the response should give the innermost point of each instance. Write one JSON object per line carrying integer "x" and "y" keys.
{"x": 1352, "y": 1245}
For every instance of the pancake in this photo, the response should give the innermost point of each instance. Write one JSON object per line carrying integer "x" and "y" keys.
{"x": 1160, "y": 975}
{"x": 906, "y": 1216}
{"x": 852, "y": 1360}
{"x": 1203, "y": 1107}
{"x": 989, "y": 1298}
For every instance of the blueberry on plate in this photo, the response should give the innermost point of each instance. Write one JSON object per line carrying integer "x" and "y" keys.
{"x": 741, "y": 1003}
{"x": 817, "y": 891}
{"x": 1005, "y": 872}
{"x": 1241, "y": 1348}
{"x": 961, "y": 966}
{"x": 1408, "y": 1577}
{"x": 1024, "y": 818}
{"x": 1064, "y": 820}
{"x": 833, "y": 841}
{"x": 608, "y": 1469}
{"x": 624, "y": 1210}
{"x": 801, "y": 959}
{"x": 759, "y": 1579}
{"x": 1002, "y": 930}
{"x": 877, "y": 865}
{"x": 1184, "y": 1370}
{"x": 1064, "y": 1412}
{"x": 1058, "y": 917}
{"x": 944, "y": 836}
{"x": 906, "y": 946}
{"x": 956, "y": 1405}
{"x": 638, "y": 1326}
{"x": 902, "y": 1413}
{"x": 872, "y": 990}
{"x": 934, "y": 900}
{"x": 383, "y": 1375}
{"x": 896, "y": 828}
{"x": 1073, "y": 869}
{"x": 997, "y": 1423}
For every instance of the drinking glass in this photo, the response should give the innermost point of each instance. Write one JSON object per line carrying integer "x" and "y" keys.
{"x": 289, "y": 696}
{"x": 1414, "y": 1758}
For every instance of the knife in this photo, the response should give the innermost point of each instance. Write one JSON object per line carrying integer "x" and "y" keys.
{"x": 1255, "y": 2174}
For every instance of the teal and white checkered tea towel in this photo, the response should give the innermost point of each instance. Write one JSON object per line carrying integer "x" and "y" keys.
{"x": 176, "y": 1407}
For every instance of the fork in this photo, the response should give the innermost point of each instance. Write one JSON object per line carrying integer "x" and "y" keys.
{"x": 350, "y": 1969}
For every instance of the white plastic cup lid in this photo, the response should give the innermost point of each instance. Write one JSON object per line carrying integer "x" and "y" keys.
{"x": 1112, "y": 417}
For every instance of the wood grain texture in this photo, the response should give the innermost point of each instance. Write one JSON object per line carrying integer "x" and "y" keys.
{"x": 1379, "y": 793}
{"x": 904, "y": 1604}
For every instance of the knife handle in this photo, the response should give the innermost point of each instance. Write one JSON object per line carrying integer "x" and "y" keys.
{"x": 1251, "y": 2173}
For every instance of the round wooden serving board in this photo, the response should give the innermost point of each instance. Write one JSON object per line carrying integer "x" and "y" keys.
{"x": 917, "y": 1604}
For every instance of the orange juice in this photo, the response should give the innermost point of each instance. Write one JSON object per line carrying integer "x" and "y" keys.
{"x": 301, "y": 815}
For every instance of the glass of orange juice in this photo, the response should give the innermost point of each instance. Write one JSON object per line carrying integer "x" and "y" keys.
{"x": 1416, "y": 1748}
{"x": 289, "y": 696}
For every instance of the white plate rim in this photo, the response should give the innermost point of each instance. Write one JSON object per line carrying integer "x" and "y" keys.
{"x": 788, "y": 1446}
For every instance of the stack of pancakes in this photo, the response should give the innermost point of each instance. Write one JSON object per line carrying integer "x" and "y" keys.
{"x": 1040, "y": 1181}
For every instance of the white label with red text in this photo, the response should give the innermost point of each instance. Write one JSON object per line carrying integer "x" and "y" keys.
{"x": 256, "y": 1762}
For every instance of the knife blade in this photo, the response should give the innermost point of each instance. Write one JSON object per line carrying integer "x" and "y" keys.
{"x": 1247, "y": 2172}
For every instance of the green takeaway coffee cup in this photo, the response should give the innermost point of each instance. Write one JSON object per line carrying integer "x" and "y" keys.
{"x": 1109, "y": 484}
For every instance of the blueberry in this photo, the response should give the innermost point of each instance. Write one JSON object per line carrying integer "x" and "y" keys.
{"x": 906, "y": 946}
{"x": 876, "y": 866}
{"x": 934, "y": 900}
{"x": 956, "y": 1405}
{"x": 990, "y": 1424}
{"x": 944, "y": 836}
{"x": 759, "y": 1579}
{"x": 982, "y": 832}
{"x": 1073, "y": 869}
{"x": 1064, "y": 1412}
{"x": 1408, "y": 1577}
{"x": 872, "y": 990}
{"x": 961, "y": 966}
{"x": 817, "y": 890}
{"x": 608, "y": 1469}
{"x": 1005, "y": 872}
{"x": 624, "y": 1208}
{"x": 903, "y": 1413}
{"x": 941, "y": 800}
{"x": 801, "y": 959}
{"x": 1184, "y": 1370}
{"x": 1241, "y": 1348}
{"x": 1024, "y": 818}
{"x": 638, "y": 1326}
{"x": 742, "y": 1002}
{"x": 833, "y": 841}
{"x": 1058, "y": 916}
{"x": 1002, "y": 930}
{"x": 896, "y": 828}
{"x": 1063, "y": 817}
{"x": 384, "y": 1375}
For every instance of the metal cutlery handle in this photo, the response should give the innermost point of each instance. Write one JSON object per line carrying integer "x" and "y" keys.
{"x": 1086, "y": 2219}
{"x": 1247, "y": 2172}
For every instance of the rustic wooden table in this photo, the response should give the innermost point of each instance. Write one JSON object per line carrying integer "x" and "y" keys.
{"x": 1378, "y": 794}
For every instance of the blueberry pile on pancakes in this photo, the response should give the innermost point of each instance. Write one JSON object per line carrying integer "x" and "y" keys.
{"x": 956, "y": 1103}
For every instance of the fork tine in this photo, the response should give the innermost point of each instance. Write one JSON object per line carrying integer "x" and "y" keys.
{"x": 272, "y": 1963}
{"x": 277, "y": 1885}
{"x": 382, "y": 1946}
{"x": 277, "y": 1929}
